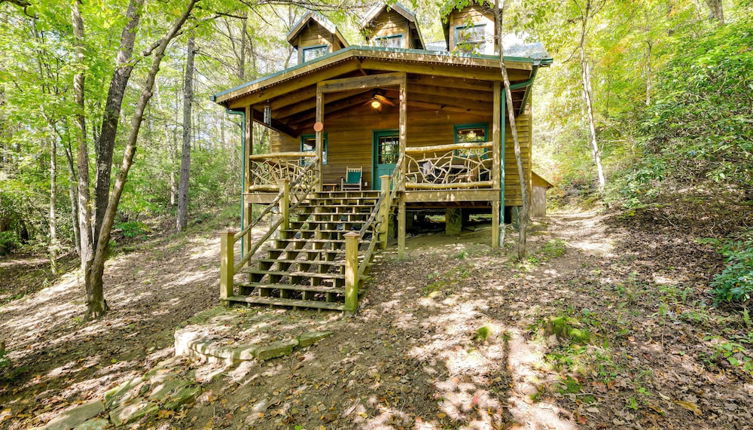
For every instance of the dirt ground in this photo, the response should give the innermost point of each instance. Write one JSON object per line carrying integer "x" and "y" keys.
{"x": 600, "y": 327}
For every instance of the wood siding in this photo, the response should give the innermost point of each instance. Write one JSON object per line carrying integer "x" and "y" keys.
{"x": 475, "y": 15}
{"x": 316, "y": 35}
{"x": 350, "y": 138}
{"x": 390, "y": 23}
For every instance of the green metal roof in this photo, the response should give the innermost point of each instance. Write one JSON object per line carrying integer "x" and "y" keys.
{"x": 538, "y": 62}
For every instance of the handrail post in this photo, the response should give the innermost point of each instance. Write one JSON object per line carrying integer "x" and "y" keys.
{"x": 227, "y": 260}
{"x": 351, "y": 271}
{"x": 285, "y": 204}
{"x": 384, "y": 211}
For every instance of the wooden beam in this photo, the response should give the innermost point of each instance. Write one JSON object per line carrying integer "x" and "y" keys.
{"x": 275, "y": 125}
{"x": 447, "y": 108}
{"x": 485, "y": 97}
{"x": 360, "y": 82}
{"x": 295, "y": 121}
{"x": 496, "y": 156}
{"x": 403, "y": 125}
{"x": 294, "y": 97}
{"x": 311, "y": 104}
{"x": 483, "y": 74}
{"x": 319, "y": 136}
{"x": 441, "y": 81}
{"x": 294, "y": 84}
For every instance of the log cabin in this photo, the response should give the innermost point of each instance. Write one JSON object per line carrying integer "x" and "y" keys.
{"x": 362, "y": 137}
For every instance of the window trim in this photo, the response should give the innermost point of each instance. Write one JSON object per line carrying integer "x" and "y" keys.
{"x": 458, "y": 127}
{"x": 311, "y": 48}
{"x": 325, "y": 153}
{"x": 459, "y": 28}
{"x": 391, "y": 36}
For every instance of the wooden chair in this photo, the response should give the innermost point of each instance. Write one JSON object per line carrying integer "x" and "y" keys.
{"x": 353, "y": 179}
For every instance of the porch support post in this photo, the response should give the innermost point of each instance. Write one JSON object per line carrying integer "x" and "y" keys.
{"x": 401, "y": 228}
{"x": 285, "y": 205}
{"x": 453, "y": 221}
{"x": 496, "y": 165}
{"x": 319, "y": 136}
{"x": 351, "y": 271}
{"x": 227, "y": 260}
{"x": 403, "y": 127}
{"x": 248, "y": 143}
{"x": 384, "y": 211}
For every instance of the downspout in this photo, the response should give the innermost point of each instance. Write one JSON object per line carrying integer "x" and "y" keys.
{"x": 243, "y": 165}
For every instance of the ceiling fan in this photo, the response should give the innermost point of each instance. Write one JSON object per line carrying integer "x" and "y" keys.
{"x": 378, "y": 100}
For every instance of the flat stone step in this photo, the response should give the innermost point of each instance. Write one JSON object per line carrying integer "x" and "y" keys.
{"x": 276, "y": 301}
{"x": 295, "y": 274}
{"x": 292, "y": 287}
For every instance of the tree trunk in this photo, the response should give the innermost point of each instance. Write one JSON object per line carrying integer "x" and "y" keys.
{"x": 185, "y": 159}
{"x": 523, "y": 217}
{"x": 98, "y": 265}
{"x": 111, "y": 115}
{"x": 242, "y": 59}
{"x": 717, "y": 10}
{"x": 73, "y": 196}
{"x": 95, "y": 301}
{"x": 53, "y": 245}
{"x": 587, "y": 98}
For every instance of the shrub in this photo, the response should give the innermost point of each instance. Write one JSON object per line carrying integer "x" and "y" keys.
{"x": 735, "y": 282}
{"x": 8, "y": 242}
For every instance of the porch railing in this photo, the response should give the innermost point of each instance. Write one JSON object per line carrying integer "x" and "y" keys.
{"x": 267, "y": 171}
{"x": 455, "y": 166}
{"x": 377, "y": 223}
{"x": 295, "y": 192}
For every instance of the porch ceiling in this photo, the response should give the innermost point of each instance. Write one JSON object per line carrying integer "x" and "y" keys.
{"x": 294, "y": 112}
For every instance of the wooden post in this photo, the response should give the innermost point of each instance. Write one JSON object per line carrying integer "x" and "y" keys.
{"x": 453, "y": 221}
{"x": 248, "y": 142}
{"x": 285, "y": 204}
{"x": 384, "y": 211}
{"x": 403, "y": 128}
{"x": 401, "y": 229}
{"x": 319, "y": 137}
{"x": 227, "y": 260}
{"x": 351, "y": 271}
{"x": 497, "y": 162}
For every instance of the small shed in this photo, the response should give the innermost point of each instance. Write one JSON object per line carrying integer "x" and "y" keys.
{"x": 539, "y": 186}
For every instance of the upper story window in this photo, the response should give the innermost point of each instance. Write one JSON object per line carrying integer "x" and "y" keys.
{"x": 308, "y": 144}
{"x": 471, "y": 38}
{"x": 472, "y": 133}
{"x": 391, "y": 41}
{"x": 312, "y": 52}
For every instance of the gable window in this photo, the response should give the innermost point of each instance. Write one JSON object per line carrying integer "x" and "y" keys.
{"x": 313, "y": 52}
{"x": 308, "y": 144}
{"x": 472, "y": 133}
{"x": 471, "y": 38}
{"x": 392, "y": 41}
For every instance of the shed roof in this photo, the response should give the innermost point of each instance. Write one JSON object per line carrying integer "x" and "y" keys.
{"x": 301, "y": 24}
{"x": 541, "y": 178}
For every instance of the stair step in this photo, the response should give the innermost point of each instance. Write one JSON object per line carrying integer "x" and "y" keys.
{"x": 296, "y": 274}
{"x": 318, "y": 240}
{"x": 318, "y": 230}
{"x": 308, "y": 288}
{"x": 317, "y": 262}
{"x": 328, "y": 222}
{"x": 276, "y": 301}
{"x": 327, "y": 205}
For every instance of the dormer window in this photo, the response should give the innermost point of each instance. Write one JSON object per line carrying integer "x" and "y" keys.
{"x": 313, "y": 52}
{"x": 391, "y": 41}
{"x": 471, "y": 38}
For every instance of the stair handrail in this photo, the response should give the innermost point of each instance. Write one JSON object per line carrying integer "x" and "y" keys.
{"x": 273, "y": 228}
{"x": 229, "y": 238}
{"x": 375, "y": 211}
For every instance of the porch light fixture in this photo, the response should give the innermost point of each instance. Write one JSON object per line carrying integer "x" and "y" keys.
{"x": 376, "y": 104}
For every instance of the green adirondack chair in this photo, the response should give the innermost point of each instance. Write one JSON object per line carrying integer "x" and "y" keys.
{"x": 353, "y": 179}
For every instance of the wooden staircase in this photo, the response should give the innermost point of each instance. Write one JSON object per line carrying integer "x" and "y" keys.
{"x": 305, "y": 266}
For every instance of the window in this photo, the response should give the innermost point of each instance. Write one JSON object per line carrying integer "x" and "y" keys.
{"x": 314, "y": 52}
{"x": 472, "y": 133}
{"x": 471, "y": 38}
{"x": 393, "y": 41}
{"x": 308, "y": 144}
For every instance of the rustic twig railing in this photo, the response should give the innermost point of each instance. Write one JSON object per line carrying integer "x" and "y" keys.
{"x": 378, "y": 223}
{"x": 300, "y": 187}
{"x": 448, "y": 166}
{"x": 269, "y": 170}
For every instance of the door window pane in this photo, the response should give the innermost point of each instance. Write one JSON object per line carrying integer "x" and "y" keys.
{"x": 388, "y": 151}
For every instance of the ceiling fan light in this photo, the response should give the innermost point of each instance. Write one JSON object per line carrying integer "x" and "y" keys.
{"x": 376, "y": 104}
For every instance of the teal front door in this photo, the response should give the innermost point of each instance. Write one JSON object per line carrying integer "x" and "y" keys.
{"x": 385, "y": 152}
